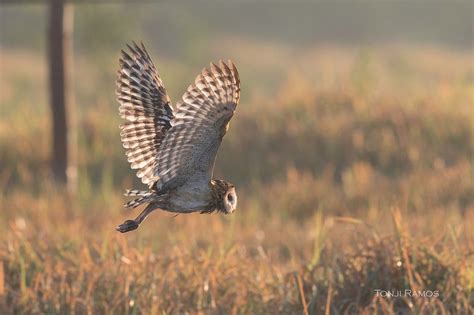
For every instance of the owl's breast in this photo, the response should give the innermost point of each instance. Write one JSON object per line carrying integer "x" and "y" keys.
{"x": 189, "y": 199}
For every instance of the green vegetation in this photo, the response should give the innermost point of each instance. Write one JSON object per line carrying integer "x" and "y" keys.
{"x": 354, "y": 173}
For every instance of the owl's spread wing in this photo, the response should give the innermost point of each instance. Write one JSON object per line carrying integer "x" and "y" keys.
{"x": 202, "y": 117}
{"x": 145, "y": 107}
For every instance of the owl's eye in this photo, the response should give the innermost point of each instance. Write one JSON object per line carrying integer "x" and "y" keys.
{"x": 230, "y": 197}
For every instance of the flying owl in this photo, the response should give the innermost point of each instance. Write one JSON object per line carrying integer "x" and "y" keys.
{"x": 174, "y": 151}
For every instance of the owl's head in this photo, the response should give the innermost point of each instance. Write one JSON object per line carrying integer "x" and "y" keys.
{"x": 225, "y": 197}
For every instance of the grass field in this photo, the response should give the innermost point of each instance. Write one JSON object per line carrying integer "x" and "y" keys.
{"x": 354, "y": 170}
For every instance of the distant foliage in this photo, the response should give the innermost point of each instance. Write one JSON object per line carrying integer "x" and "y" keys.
{"x": 353, "y": 170}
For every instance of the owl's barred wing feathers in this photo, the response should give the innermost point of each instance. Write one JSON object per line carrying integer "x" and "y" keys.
{"x": 167, "y": 148}
{"x": 201, "y": 120}
{"x": 145, "y": 107}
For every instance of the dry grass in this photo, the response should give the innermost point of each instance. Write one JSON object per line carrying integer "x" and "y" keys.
{"x": 354, "y": 177}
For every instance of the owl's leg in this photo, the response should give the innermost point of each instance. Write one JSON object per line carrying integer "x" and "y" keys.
{"x": 130, "y": 225}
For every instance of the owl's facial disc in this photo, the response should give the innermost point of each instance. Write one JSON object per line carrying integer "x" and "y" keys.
{"x": 230, "y": 200}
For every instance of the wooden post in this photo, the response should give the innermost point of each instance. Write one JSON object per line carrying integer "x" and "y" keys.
{"x": 63, "y": 159}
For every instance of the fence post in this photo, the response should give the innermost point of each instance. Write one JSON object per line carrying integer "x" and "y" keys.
{"x": 60, "y": 52}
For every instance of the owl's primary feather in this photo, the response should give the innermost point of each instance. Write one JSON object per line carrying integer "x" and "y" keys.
{"x": 145, "y": 106}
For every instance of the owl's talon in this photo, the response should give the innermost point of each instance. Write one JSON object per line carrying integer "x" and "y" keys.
{"x": 127, "y": 226}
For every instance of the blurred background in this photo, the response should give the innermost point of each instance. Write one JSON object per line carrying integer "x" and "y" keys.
{"x": 351, "y": 150}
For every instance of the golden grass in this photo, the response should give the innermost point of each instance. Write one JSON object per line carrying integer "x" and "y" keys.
{"x": 353, "y": 177}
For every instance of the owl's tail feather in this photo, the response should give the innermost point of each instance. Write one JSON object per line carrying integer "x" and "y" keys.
{"x": 136, "y": 202}
{"x": 136, "y": 192}
{"x": 145, "y": 196}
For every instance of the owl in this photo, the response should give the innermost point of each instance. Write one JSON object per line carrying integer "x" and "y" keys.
{"x": 174, "y": 150}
